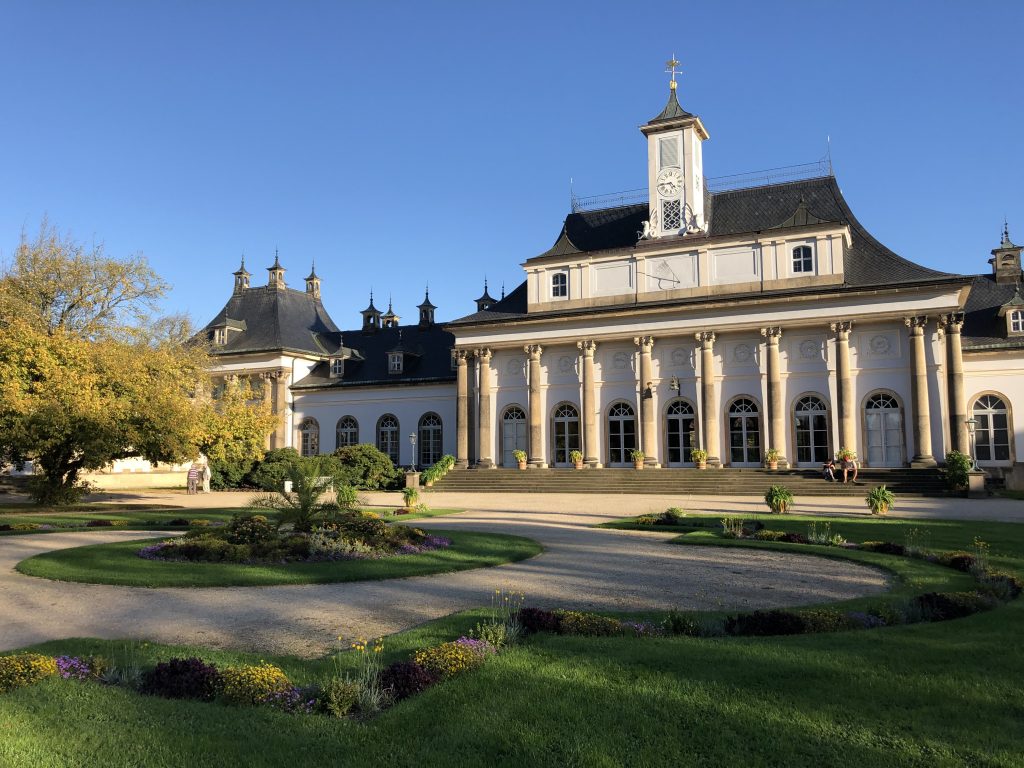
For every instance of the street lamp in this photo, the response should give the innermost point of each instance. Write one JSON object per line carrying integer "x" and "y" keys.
{"x": 412, "y": 442}
{"x": 972, "y": 425}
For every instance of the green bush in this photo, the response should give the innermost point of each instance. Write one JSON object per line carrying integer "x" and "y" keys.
{"x": 364, "y": 466}
{"x": 338, "y": 696}
{"x": 778, "y": 498}
{"x": 766, "y": 535}
{"x": 226, "y": 474}
{"x": 958, "y": 465}
{"x": 449, "y": 659}
{"x": 250, "y": 529}
{"x": 590, "y": 624}
{"x": 270, "y": 473}
{"x": 253, "y": 684}
{"x": 677, "y": 623}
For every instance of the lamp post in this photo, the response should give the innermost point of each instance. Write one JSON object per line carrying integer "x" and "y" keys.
{"x": 972, "y": 425}
{"x": 412, "y": 442}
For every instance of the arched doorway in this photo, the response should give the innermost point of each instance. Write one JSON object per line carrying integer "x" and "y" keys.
{"x": 309, "y": 437}
{"x": 387, "y": 436}
{"x": 992, "y": 434}
{"x": 565, "y": 433}
{"x": 811, "y": 418}
{"x": 430, "y": 439}
{"x": 621, "y": 434}
{"x": 744, "y": 433}
{"x": 513, "y": 434}
{"x": 883, "y": 418}
{"x": 680, "y": 433}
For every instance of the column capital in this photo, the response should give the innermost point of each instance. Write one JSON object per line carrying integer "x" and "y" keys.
{"x": 460, "y": 356}
{"x": 951, "y": 322}
{"x": 706, "y": 338}
{"x": 772, "y": 333}
{"x": 483, "y": 353}
{"x": 533, "y": 350}
{"x": 842, "y": 328}
{"x": 587, "y": 347}
{"x": 644, "y": 341}
{"x": 915, "y": 323}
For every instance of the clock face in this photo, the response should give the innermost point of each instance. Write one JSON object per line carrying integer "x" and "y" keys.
{"x": 670, "y": 181}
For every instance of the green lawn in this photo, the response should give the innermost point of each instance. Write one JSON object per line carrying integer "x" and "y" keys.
{"x": 118, "y": 564}
{"x": 944, "y": 694}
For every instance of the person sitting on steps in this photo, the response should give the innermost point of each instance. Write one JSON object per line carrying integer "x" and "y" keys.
{"x": 849, "y": 464}
{"x": 828, "y": 469}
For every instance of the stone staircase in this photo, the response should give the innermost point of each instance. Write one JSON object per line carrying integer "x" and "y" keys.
{"x": 709, "y": 482}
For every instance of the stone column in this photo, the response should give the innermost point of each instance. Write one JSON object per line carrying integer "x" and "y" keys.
{"x": 462, "y": 410}
{"x": 776, "y": 412}
{"x": 536, "y": 449}
{"x": 649, "y": 442}
{"x": 708, "y": 398}
{"x": 486, "y": 444}
{"x": 958, "y": 435}
{"x": 847, "y": 431}
{"x": 922, "y": 413}
{"x": 590, "y": 455}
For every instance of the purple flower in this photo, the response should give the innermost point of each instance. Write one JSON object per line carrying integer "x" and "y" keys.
{"x": 641, "y": 629}
{"x": 293, "y": 700}
{"x": 481, "y": 647}
{"x": 73, "y": 668}
{"x": 152, "y": 552}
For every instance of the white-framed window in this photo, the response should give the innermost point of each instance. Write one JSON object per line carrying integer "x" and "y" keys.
{"x": 395, "y": 360}
{"x": 348, "y": 431}
{"x": 387, "y": 436}
{"x": 560, "y": 285}
{"x": 803, "y": 260}
{"x": 337, "y": 367}
{"x": 309, "y": 433}
{"x": 220, "y": 336}
{"x": 1017, "y": 321}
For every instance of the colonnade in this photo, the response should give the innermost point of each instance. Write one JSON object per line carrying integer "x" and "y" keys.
{"x": 707, "y": 387}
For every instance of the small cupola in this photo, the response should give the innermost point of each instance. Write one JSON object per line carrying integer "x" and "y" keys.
{"x": 485, "y": 301}
{"x": 371, "y": 317}
{"x": 242, "y": 278}
{"x": 426, "y": 311}
{"x": 275, "y": 276}
{"x": 313, "y": 283}
{"x": 1005, "y": 261}
{"x": 389, "y": 319}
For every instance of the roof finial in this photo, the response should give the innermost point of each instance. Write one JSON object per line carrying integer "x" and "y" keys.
{"x": 1006, "y": 232}
{"x": 503, "y": 290}
{"x": 243, "y": 263}
{"x": 671, "y": 65}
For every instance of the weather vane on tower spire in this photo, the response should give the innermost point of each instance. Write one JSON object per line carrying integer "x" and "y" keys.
{"x": 670, "y": 67}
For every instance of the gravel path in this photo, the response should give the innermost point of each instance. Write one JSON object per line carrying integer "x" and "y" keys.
{"x": 581, "y": 567}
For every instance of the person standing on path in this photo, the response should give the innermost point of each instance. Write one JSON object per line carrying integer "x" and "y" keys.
{"x": 206, "y": 474}
{"x": 193, "y": 479}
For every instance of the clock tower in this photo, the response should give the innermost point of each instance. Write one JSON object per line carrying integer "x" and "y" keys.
{"x": 675, "y": 167}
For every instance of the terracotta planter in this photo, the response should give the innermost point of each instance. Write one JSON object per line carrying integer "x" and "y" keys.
{"x": 522, "y": 465}
{"x": 701, "y": 464}
{"x": 429, "y": 484}
{"x": 772, "y": 464}
{"x": 882, "y": 509}
{"x": 578, "y": 464}
{"x": 639, "y": 464}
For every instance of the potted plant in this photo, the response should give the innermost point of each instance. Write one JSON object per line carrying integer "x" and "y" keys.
{"x": 880, "y": 500}
{"x": 700, "y": 458}
{"x": 778, "y": 498}
{"x": 846, "y": 453}
{"x": 429, "y": 477}
{"x": 520, "y": 457}
{"x": 576, "y": 457}
{"x": 409, "y": 498}
{"x": 638, "y": 458}
{"x": 771, "y": 458}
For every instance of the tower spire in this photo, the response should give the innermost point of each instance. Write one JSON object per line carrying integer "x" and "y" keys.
{"x": 670, "y": 67}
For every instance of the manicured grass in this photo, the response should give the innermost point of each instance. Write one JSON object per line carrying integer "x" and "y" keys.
{"x": 118, "y": 564}
{"x": 387, "y": 513}
{"x": 943, "y": 694}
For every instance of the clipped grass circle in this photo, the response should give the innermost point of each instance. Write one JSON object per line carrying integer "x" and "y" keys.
{"x": 119, "y": 565}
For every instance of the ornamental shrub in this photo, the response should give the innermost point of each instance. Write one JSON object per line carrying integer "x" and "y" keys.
{"x": 189, "y": 678}
{"x": 271, "y": 472}
{"x": 883, "y": 547}
{"x": 250, "y": 529}
{"x": 229, "y": 473}
{"x": 338, "y": 696}
{"x": 958, "y": 559}
{"x": 763, "y": 623}
{"x": 646, "y": 520}
{"x": 106, "y": 523}
{"x": 450, "y": 659}
{"x": 1000, "y": 585}
{"x": 677, "y": 623}
{"x": 535, "y": 620}
{"x": 24, "y": 669}
{"x": 793, "y": 538}
{"x": 364, "y": 466}
{"x": 73, "y": 668}
{"x": 943, "y": 606}
{"x": 254, "y": 683}
{"x": 766, "y": 535}
{"x": 177, "y": 522}
{"x": 958, "y": 467}
{"x": 589, "y": 624}
{"x": 407, "y": 678}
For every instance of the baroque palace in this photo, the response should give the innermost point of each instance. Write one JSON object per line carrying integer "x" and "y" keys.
{"x": 733, "y": 321}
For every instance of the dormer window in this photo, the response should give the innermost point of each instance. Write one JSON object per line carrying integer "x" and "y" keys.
{"x": 395, "y": 362}
{"x": 337, "y": 368}
{"x": 560, "y": 285}
{"x": 1016, "y": 321}
{"x": 220, "y": 336}
{"x": 803, "y": 260}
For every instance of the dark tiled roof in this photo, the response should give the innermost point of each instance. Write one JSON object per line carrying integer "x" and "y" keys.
{"x": 671, "y": 111}
{"x": 983, "y": 327}
{"x": 428, "y": 358}
{"x": 508, "y": 308}
{"x": 283, "y": 319}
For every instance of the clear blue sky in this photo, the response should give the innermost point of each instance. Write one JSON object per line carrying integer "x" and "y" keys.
{"x": 401, "y": 143}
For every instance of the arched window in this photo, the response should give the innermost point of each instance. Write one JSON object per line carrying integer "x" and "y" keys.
{"x": 430, "y": 439}
{"x": 348, "y": 431}
{"x": 513, "y": 434}
{"x": 811, "y": 431}
{"x": 803, "y": 259}
{"x": 884, "y": 421}
{"x": 744, "y": 433}
{"x": 387, "y": 436}
{"x": 565, "y": 433}
{"x": 992, "y": 434}
{"x": 621, "y": 434}
{"x": 559, "y": 285}
{"x": 309, "y": 434}
{"x": 680, "y": 433}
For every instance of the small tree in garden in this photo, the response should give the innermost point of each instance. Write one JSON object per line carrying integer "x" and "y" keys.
{"x": 366, "y": 467}
{"x": 958, "y": 468}
{"x": 303, "y": 505}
